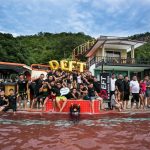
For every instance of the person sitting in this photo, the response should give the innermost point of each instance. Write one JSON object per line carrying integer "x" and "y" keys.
{"x": 12, "y": 101}
{"x": 3, "y": 101}
{"x": 73, "y": 94}
{"x": 115, "y": 103}
{"x": 93, "y": 95}
{"x": 60, "y": 97}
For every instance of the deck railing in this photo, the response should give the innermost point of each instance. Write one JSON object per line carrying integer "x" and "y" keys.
{"x": 117, "y": 61}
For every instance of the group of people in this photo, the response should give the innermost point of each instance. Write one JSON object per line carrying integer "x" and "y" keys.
{"x": 122, "y": 89}
{"x": 59, "y": 86}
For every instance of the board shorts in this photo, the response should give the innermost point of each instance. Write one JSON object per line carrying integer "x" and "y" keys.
{"x": 61, "y": 98}
{"x": 147, "y": 93}
{"x": 126, "y": 96}
{"x": 41, "y": 98}
{"x": 95, "y": 98}
{"x": 135, "y": 97}
{"x": 13, "y": 107}
{"x": 23, "y": 95}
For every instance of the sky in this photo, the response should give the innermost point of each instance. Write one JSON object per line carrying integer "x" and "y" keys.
{"x": 93, "y": 17}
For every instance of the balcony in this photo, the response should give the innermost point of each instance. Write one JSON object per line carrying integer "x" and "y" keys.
{"x": 117, "y": 61}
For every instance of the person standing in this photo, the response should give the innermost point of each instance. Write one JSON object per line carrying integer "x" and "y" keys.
{"x": 22, "y": 90}
{"x": 119, "y": 85}
{"x": 134, "y": 89}
{"x": 126, "y": 92}
{"x": 112, "y": 87}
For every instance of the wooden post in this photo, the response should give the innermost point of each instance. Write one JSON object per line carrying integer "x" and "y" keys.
{"x": 103, "y": 50}
{"x": 132, "y": 51}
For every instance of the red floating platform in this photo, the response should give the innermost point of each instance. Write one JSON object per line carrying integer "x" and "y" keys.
{"x": 85, "y": 106}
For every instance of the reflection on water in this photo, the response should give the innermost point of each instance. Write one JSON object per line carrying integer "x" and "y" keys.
{"x": 111, "y": 131}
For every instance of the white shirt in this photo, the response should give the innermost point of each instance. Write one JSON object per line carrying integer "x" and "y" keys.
{"x": 79, "y": 79}
{"x": 135, "y": 88}
{"x": 112, "y": 84}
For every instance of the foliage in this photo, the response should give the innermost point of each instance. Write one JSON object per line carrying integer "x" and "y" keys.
{"x": 39, "y": 48}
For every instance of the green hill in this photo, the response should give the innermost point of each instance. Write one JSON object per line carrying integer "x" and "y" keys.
{"x": 42, "y": 47}
{"x": 39, "y": 48}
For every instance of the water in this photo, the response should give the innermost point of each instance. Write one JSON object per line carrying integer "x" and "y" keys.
{"x": 108, "y": 131}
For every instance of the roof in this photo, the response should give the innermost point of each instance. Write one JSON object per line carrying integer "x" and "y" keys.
{"x": 14, "y": 66}
{"x": 112, "y": 42}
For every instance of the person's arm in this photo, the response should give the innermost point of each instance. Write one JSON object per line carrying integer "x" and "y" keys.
{"x": 116, "y": 85}
{"x": 6, "y": 100}
{"x": 41, "y": 89}
{"x": 96, "y": 93}
{"x": 49, "y": 86}
{"x": 34, "y": 79}
{"x": 17, "y": 90}
{"x": 74, "y": 97}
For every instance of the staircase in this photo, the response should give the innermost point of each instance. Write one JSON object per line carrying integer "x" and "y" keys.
{"x": 82, "y": 49}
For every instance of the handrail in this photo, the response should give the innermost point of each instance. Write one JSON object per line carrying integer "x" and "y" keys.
{"x": 118, "y": 61}
{"x": 81, "y": 49}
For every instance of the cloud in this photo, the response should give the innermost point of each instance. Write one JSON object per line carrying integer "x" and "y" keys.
{"x": 96, "y": 17}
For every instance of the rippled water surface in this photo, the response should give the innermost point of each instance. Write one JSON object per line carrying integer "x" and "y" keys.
{"x": 108, "y": 131}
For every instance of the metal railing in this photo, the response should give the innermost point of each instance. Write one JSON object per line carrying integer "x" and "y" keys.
{"x": 82, "y": 49}
{"x": 119, "y": 61}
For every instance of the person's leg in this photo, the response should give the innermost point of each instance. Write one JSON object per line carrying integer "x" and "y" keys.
{"x": 44, "y": 104}
{"x": 58, "y": 102}
{"x": 19, "y": 101}
{"x": 132, "y": 100}
{"x": 14, "y": 108}
{"x": 33, "y": 102}
{"x": 137, "y": 100}
{"x": 54, "y": 105}
{"x": 64, "y": 104}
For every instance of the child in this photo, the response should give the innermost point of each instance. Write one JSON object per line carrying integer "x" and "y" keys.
{"x": 115, "y": 101}
{"x": 3, "y": 101}
{"x": 12, "y": 101}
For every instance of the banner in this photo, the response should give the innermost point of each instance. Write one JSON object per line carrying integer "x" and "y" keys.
{"x": 105, "y": 85}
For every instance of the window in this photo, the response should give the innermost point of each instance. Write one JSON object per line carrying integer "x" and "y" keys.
{"x": 112, "y": 54}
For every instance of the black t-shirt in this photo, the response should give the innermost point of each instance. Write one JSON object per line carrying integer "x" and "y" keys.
{"x": 12, "y": 100}
{"x": 32, "y": 87}
{"x": 2, "y": 101}
{"x": 22, "y": 84}
{"x": 97, "y": 86}
{"x": 70, "y": 96}
{"x": 68, "y": 81}
{"x": 39, "y": 83}
{"x": 127, "y": 86}
{"x": 56, "y": 90}
{"x": 84, "y": 89}
{"x": 45, "y": 92}
{"x": 120, "y": 84}
{"x": 91, "y": 92}
{"x": 74, "y": 76}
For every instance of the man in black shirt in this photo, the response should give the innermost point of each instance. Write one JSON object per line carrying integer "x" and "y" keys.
{"x": 96, "y": 85}
{"x": 126, "y": 92}
{"x": 119, "y": 84}
{"x": 38, "y": 84}
{"x": 22, "y": 90}
{"x": 93, "y": 95}
{"x": 12, "y": 101}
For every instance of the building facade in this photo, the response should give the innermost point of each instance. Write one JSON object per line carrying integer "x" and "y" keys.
{"x": 114, "y": 55}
